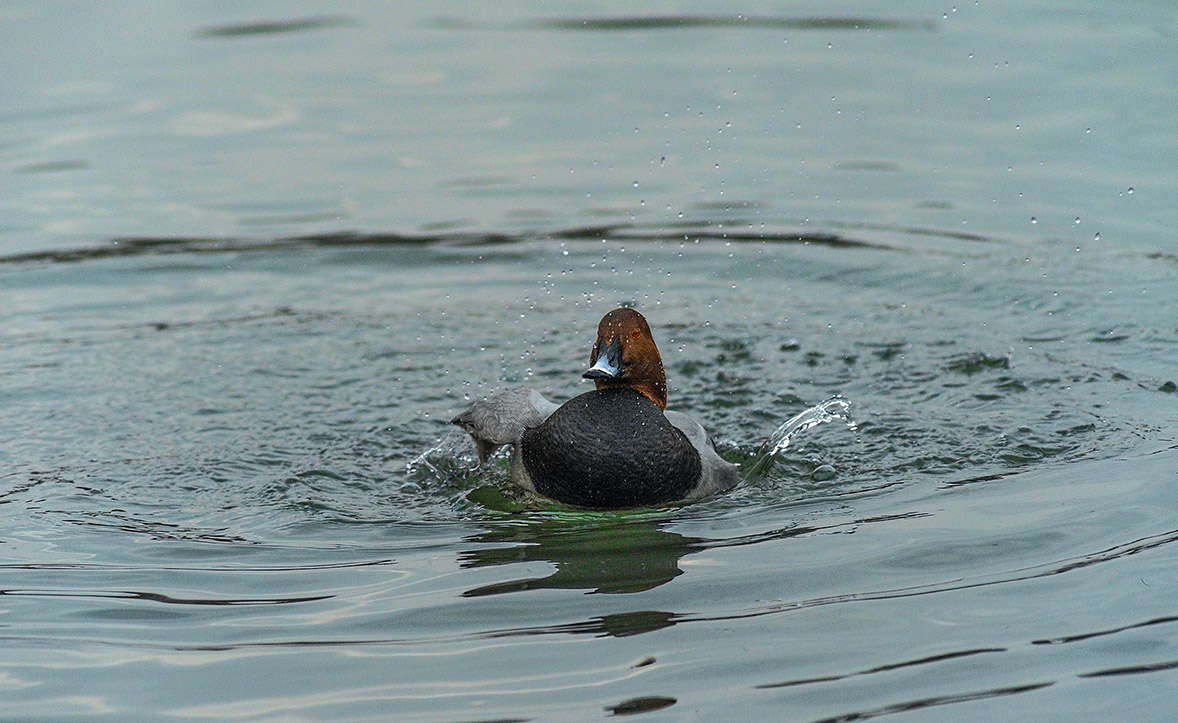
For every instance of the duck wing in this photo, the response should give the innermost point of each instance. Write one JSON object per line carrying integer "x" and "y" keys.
{"x": 502, "y": 418}
{"x": 716, "y": 473}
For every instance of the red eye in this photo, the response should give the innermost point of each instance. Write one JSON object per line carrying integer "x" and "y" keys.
{"x": 637, "y": 333}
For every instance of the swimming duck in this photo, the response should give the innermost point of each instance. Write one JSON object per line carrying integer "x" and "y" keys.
{"x": 610, "y": 448}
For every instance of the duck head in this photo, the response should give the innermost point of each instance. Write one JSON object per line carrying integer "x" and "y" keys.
{"x": 625, "y": 355}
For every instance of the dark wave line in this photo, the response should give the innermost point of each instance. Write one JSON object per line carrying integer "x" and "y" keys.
{"x": 935, "y": 701}
{"x": 74, "y": 642}
{"x": 106, "y": 567}
{"x": 628, "y": 23}
{"x": 912, "y": 231}
{"x": 274, "y": 27}
{"x": 1132, "y": 670}
{"x": 161, "y": 598}
{"x": 1102, "y": 633}
{"x": 143, "y": 246}
{"x": 784, "y": 533}
{"x": 645, "y": 704}
{"x": 883, "y": 668}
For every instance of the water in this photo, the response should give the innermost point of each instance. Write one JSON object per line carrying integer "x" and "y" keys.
{"x": 252, "y": 261}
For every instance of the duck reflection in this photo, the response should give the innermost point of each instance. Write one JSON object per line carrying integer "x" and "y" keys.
{"x": 591, "y": 551}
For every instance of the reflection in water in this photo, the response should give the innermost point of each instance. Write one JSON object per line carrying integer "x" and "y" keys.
{"x": 616, "y": 625}
{"x": 608, "y": 552}
{"x": 590, "y": 552}
{"x": 599, "y": 553}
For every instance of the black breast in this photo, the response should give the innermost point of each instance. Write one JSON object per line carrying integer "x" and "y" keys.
{"x": 607, "y": 449}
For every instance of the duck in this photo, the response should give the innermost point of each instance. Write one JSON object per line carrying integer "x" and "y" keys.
{"x": 613, "y": 447}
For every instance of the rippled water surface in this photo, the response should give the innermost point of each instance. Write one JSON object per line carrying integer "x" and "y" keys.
{"x": 253, "y": 259}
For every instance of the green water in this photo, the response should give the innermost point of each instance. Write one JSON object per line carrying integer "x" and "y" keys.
{"x": 252, "y": 262}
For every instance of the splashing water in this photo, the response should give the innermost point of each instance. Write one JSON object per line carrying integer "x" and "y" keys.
{"x": 835, "y": 408}
{"x": 828, "y": 411}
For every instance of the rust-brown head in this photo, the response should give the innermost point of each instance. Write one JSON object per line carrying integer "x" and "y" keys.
{"x": 625, "y": 355}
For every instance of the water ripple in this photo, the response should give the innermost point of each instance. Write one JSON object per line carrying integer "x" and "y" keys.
{"x": 936, "y": 701}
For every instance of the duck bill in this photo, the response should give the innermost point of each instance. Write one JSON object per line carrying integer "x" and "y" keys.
{"x": 609, "y": 361}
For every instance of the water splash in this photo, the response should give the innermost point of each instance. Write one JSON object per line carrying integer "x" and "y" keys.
{"x": 448, "y": 457}
{"x": 835, "y": 408}
{"x": 828, "y": 411}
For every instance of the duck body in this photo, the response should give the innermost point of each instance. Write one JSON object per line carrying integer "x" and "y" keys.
{"x": 610, "y": 448}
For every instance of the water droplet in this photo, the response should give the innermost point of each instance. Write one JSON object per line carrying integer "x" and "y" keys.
{"x": 1077, "y": 220}
{"x": 1034, "y": 220}
{"x": 1130, "y": 191}
{"x": 1096, "y": 237}
{"x": 823, "y": 472}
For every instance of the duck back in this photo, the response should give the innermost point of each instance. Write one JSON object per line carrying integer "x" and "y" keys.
{"x": 610, "y": 448}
